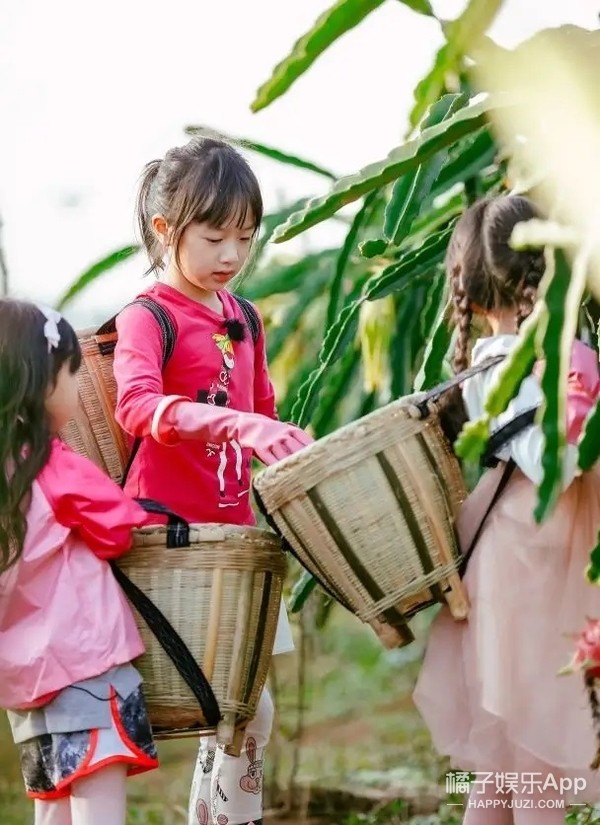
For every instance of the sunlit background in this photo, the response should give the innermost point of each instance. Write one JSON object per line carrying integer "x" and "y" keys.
{"x": 89, "y": 93}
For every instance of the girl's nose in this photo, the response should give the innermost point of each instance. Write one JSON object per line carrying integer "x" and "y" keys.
{"x": 229, "y": 253}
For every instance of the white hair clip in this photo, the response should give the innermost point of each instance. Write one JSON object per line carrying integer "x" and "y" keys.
{"x": 51, "y": 332}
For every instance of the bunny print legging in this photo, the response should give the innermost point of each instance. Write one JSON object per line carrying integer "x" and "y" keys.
{"x": 228, "y": 790}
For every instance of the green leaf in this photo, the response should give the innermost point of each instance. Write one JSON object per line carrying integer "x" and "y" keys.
{"x": 325, "y": 417}
{"x": 278, "y": 336}
{"x": 273, "y": 220}
{"x": 401, "y": 160}
{"x": 264, "y": 149}
{"x": 331, "y": 25}
{"x": 412, "y": 265}
{"x": 563, "y": 290}
{"x": 373, "y": 247}
{"x": 410, "y": 191}
{"x": 299, "y": 377}
{"x": 474, "y": 156}
{"x": 518, "y": 365}
{"x": 338, "y": 337}
{"x": 341, "y": 334}
{"x": 308, "y": 395}
{"x": 401, "y": 350}
{"x": 288, "y": 278}
{"x": 361, "y": 217}
{"x": 420, "y": 6}
{"x": 435, "y": 352}
{"x": 431, "y": 302}
{"x": 589, "y": 446}
{"x": 469, "y": 443}
{"x": 430, "y": 87}
{"x": 432, "y": 220}
{"x": 368, "y": 402}
{"x": 460, "y": 35}
{"x": 593, "y": 570}
{"x": 400, "y": 196}
{"x": 301, "y": 590}
{"x": 94, "y": 272}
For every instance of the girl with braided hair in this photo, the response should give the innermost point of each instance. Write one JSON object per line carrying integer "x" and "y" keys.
{"x": 525, "y": 581}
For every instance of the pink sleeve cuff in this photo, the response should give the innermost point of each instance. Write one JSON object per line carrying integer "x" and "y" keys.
{"x": 165, "y": 435}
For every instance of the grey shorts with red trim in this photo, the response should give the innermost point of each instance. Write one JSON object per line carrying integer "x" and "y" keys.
{"x": 52, "y": 762}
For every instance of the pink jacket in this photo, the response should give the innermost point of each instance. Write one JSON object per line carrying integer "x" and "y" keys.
{"x": 63, "y": 617}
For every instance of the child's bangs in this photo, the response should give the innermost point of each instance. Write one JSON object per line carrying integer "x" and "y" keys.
{"x": 232, "y": 199}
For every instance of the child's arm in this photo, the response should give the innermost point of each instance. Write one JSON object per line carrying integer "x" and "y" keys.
{"x": 143, "y": 409}
{"x": 264, "y": 394}
{"x": 84, "y": 499}
{"x": 138, "y": 370}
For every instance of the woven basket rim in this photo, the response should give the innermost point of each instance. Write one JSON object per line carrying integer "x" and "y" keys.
{"x": 214, "y": 527}
{"x": 286, "y": 466}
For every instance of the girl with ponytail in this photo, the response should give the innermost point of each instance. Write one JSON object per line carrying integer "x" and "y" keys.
{"x": 201, "y": 417}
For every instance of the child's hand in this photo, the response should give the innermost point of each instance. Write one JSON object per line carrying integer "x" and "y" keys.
{"x": 271, "y": 440}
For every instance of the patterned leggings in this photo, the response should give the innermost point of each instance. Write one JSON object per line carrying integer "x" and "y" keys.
{"x": 228, "y": 790}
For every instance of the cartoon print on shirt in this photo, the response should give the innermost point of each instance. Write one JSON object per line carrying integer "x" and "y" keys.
{"x": 229, "y": 453}
{"x": 225, "y": 344}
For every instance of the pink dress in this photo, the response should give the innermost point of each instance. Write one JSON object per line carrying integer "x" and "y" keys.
{"x": 502, "y": 706}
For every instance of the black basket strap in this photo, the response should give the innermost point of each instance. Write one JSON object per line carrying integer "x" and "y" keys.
{"x": 250, "y": 314}
{"x": 173, "y": 645}
{"x": 165, "y": 322}
{"x": 169, "y": 337}
{"x": 178, "y": 529}
{"x": 502, "y": 436}
{"x": 505, "y": 478}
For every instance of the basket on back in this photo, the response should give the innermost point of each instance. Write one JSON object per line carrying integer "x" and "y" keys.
{"x": 93, "y": 432}
{"x": 222, "y": 596}
{"x": 370, "y": 511}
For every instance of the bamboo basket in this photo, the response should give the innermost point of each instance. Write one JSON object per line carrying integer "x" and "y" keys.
{"x": 370, "y": 511}
{"x": 222, "y": 595}
{"x": 93, "y": 431}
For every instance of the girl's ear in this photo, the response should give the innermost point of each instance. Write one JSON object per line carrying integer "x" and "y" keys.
{"x": 161, "y": 230}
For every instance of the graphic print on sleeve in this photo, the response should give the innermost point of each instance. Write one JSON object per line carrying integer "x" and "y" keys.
{"x": 232, "y": 469}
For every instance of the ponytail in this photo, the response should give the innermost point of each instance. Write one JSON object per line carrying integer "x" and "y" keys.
{"x": 144, "y": 212}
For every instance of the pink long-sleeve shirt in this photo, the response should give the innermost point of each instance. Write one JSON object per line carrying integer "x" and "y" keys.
{"x": 202, "y": 482}
{"x": 63, "y": 617}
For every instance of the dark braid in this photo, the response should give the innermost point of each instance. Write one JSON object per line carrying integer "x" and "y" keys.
{"x": 527, "y": 295}
{"x": 452, "y": 412}
{"x": 463, "y": 318}
{"x": 526, "y": 302}
{"x": 486, "y": 274}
